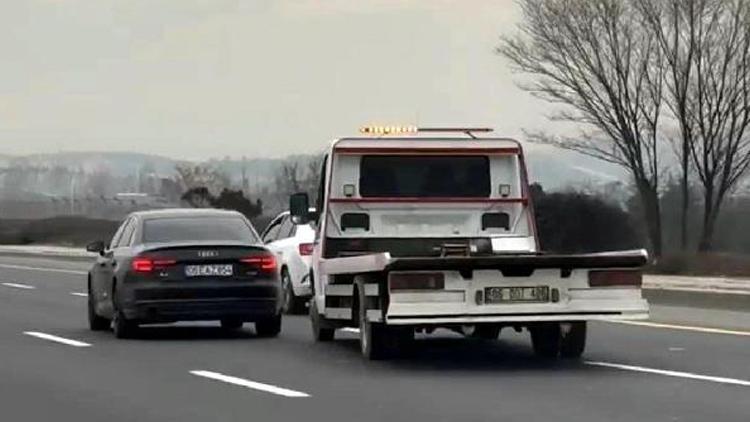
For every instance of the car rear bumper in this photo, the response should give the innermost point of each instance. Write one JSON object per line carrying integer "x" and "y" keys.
{"x": 162, "y": 302}
{"x": 202, "y": 310}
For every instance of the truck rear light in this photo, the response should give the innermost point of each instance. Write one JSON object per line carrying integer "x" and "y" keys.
{"x": 265, "y": 263}
{"x": 606, "y": 278}
{"x": 147, "y": 265}
{"x": 306, "y": 249}
{"x": 416, "y": 281}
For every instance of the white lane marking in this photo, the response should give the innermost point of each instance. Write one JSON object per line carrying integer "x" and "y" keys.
{"x": 18, "y": 286}
{"x": 351, "y": 330}
{"x": 52, "y": 270}
{"x": 676, "y": 349}
{"x": 678, "y": 374}
{"x": 250, "y": 384}
{"x": 79, "y": 294}
{"x": 50, "y": 337}
{"x": 683, "y": 327}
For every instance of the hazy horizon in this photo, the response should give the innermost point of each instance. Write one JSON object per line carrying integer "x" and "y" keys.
{"x": 208, "y": 78}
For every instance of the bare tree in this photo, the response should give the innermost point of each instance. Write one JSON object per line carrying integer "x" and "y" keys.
{"x": 720, "y": 106}
{"x": 674, "y": 25}
{"x": 194, "y": 176}
{"x": 595, "y": 58}
{"x": 707, "y": 46}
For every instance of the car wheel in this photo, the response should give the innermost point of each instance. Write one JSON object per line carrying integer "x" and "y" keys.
{"x": 96, "y": 323}
{"x": 546, "y": 339}
{"x": 291, "y": 301}
{"x": 574, "y": 342}
{"x": 122, "y": 327}
{"x": 231, "y": 324}
{"x": 320, "y": 331}
{"x": 268, "y": 327}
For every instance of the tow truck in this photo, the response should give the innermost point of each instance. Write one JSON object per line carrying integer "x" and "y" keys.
{"x": 425, "y": 228}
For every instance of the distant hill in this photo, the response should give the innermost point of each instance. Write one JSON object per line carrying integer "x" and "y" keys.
{"x": 554, "y": 169}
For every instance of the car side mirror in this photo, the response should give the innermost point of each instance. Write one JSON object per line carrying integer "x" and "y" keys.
{"x": 299, "y": 208}
{"x": 97, "y": 247}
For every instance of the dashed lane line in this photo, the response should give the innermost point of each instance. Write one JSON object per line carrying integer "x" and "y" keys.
{"x": 43, "y": 269}
{"x": 682, "y": 327}
{"x": 19, "y": 286}
{"x": 56, "y": 339}
{"x": 677, "y": 374}
{"x": 249, "y": 384}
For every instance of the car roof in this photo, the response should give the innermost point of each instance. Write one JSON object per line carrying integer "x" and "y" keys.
{"x": 185, "y": 212}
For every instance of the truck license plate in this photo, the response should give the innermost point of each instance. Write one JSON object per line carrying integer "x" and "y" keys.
{"x": 215, "y": 270}
{"x": 535, "y": 294}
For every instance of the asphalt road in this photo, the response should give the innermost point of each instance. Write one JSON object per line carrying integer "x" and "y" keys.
{"x": 629, "y": 373}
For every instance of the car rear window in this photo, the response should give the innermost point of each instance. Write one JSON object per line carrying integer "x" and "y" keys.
{"x": 430, "y": 177}
{"x": 188, "y": 229}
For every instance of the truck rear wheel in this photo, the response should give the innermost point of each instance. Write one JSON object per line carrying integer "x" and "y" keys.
{"x": 486, "y": 332}
{"x": 320, "y": 331}
{"x": 376, "y": 340}
{"x": 574, "y": 342}
{"x": 546, "y": 339}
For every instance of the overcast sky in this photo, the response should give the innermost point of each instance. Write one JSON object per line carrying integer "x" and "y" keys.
{"x": 208, "y": 78}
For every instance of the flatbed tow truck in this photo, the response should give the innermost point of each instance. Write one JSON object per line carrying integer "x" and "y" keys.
{"x": 424, "y": 228}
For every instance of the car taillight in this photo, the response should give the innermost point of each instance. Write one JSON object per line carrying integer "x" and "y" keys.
{"x": 416, "y": 281}
{"x": 147, "y": 265}
{"x": 264, "y": 263}
{"x": 306, "y": 249}
{"x": 606, "y": 278}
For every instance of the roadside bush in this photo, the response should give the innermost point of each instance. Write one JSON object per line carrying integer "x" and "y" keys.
{"x": 574, "y": 222}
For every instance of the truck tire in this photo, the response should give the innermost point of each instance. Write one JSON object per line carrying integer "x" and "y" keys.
{"x": 546, "y": 339}
{"x": 486, "y": 332}
{"x": 574, "y": 342}
{"x": 321, "y": 332}
{"x": 375, "y": 339}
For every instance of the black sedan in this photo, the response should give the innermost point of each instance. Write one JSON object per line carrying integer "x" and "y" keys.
{"x": 184, "y": 265}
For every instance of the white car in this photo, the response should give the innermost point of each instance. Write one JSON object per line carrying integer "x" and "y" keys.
{"x": 293, "y": 246}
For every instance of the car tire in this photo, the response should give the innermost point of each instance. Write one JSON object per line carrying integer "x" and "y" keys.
{"x": 270, "y": 327}
{"x": 486, "y": 332}
{"x": 231, "y": 324}
{"x": 546, "y": 339}
{"x": 321, "y": 332}
{"x": 573, "y": 343}
{"x": 292, "y": 304}
{"x": 123, "y": 327}
{"x": 96, "y": 322}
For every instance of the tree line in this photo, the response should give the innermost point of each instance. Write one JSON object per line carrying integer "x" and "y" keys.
{"x": 659, "y": 87}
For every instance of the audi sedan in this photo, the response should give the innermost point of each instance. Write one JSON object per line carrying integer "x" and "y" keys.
{"x": 184, "y": 265}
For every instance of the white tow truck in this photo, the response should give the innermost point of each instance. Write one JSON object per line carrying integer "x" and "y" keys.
{"x": 418, "y": 230}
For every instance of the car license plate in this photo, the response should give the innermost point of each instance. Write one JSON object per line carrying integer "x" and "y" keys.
{"x": 516, "y": 294}
{"x": 209, "y": 270}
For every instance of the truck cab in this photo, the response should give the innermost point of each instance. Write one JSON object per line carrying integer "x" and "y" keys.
{"x": 422, "y": 231}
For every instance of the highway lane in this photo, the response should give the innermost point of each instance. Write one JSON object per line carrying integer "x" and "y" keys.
{"x": 446, "y": 379}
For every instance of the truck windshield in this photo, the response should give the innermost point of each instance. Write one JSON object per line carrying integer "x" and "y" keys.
{"x": 424, "y": 177}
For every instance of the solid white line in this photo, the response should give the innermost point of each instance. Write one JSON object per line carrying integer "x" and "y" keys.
{"x": 79, "y": 294}
{"x": 250, "y": 384}
{"x": 50, "y": 337}
{"x": 689, "y": 375}
{"x": 18, "y": 286}
{"x": 52, "y": 270}
{"x": 351, "y": 330}
{"x": 683, "y": 327}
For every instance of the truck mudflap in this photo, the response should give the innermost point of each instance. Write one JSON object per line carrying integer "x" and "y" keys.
{"x": 624, "y": 259}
